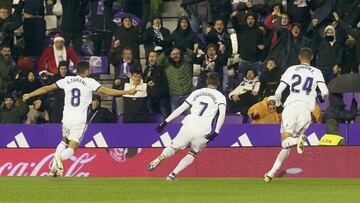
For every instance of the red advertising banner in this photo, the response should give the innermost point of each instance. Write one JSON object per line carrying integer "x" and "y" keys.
{"x": 316, "y": 162}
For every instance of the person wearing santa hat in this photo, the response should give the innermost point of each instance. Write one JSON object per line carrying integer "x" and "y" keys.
{"x": 49, "y": 60}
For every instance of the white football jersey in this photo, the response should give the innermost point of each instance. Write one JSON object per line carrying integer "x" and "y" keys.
{"x": 204, "y": 106}
{"x": 302, "y": 80}
{"x": 78, "y": 96}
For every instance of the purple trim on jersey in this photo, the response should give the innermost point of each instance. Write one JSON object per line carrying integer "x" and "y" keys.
{"x": 285, "y": 82}
{"x": 221, "y": 104}
{"x": 97, "y": 88}
{"x": 57, "y": 85}
{"x": 188, "y": 103}
{"x": 320, "y": 81}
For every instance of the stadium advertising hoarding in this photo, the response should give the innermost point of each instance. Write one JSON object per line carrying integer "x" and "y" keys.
{"x": 144, "y": 136}
{"x": 316, "y": 162}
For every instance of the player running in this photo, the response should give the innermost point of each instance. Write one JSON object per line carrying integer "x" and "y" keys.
{"x": 205, "y": 103}
{"x": 78, "y": 96}
{"x": 302, "y": 80}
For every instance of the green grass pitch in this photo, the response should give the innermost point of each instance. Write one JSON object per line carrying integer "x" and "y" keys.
{"x": 45, "y": 189}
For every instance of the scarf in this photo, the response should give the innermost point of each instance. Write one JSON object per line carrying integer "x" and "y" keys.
{"x": 125, "y": 69}
{"x": 208, "y": 64}
{"x": 100, "y": 8}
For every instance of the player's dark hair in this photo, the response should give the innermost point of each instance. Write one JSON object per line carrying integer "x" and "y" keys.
{"x": 82, "y": 66}
{"x": 306, "y": 53}
{"x": 213, "y": 79}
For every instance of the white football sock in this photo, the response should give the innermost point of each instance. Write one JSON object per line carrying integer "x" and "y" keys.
{"x": 284, "y": 153}
{"x": 167, "y": 152}
{"x": 187, "y": 160}
{"x": 289, "y": 142}
{"x": 59, "y": 149}
{"x": 67, "y": 153}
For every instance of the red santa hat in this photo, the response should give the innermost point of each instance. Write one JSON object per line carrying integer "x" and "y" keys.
{"x": 58, "y": 37}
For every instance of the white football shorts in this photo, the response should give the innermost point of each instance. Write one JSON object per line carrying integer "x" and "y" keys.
{"x": 295, "y": 119}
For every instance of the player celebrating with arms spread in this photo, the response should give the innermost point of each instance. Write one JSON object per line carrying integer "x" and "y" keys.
{"x": 78, "y": 96}
{"x": 205, "y": 103}
{"x": 303, "y": 80}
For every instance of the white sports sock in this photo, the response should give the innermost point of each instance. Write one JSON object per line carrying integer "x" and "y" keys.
{"x": 289, "y": 142}
{"x": 59, "y": 149}
{"x": 187, "y": 160}
{"x": 67, "y": 153}
{"x": 284, "y": 153}
{"x": 168, "y": 152}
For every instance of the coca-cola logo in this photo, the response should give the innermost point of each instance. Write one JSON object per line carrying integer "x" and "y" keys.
{"x": 42, "y": 167}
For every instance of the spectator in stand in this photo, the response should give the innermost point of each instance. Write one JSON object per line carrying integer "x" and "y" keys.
{"x": 349, "y": 50}
{"x": 321, "y": 15}
{"x": 57, "y": 106}
{"x": 49, "y": 60}
{"x": 212, "y": 61}
{"x": 264, "y": 112}
{"x": 183, "y": 36}
{"x": 73, "y": 21}
{"x": 250, "y": 44}
{"x": 219, "y": 36}
{"x": 11, "y": 112}
{"x": 153, "y": 37}
{"x": 124, "y": 64}
{"x": 269, "y": 79}
{"x": 35, "y": 26}
{"x": 8, "y": 71}
{"x": 157, "y": 86}
{"x": 336, "y": 113}
{"x": 329, "y": 53}
{"x": 275, "y": 22}
{"x": 9, "y": 23}
{"x": 245, "y": 95}
{"x": 299, "y": 12}
{"x": 102, "y": 25}
{"x": 128, "y": 36}
{"x": 287, "y": 49}
{"x": 135, "y": 106}
{"x": 178, "y": 66}
{"x": 244, "y": 7}
{"x": 37, "y": 112}
{"x": 349, "y": 12}
{"x": 98, "y": 114}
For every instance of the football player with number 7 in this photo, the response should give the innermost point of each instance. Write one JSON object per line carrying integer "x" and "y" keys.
{"x": 204, "y": 104}
{"x": 303, "y": 80}
{"x": 78, "y": 96}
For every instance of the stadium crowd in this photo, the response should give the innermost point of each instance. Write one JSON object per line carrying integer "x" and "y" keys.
{"x": 250, "y": 43}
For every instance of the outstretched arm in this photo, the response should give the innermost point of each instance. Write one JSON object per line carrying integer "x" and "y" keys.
{"x": 178, "y": 112}
{"x": 221, "y": 118}
{"x": 114, "y": 92}
{"x": 282, "y": 86}
{"x": 40, "y": 91}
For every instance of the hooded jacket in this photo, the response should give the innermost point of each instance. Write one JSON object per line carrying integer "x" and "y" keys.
{"x": 183, "y": 38}
{"x": 150, "y": 38}
{"x": 329, "y": 53}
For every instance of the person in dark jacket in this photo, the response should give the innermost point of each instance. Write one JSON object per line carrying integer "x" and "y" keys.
{"x": 212, "y": 61}
{"x": 128, "y": 36}
{"x": 329, "y": 53}
{"x": 154, "y": 36}
{"x": 57, "y": 106}
{"x": 336, "y": 112}
{"x": 11, "y": 112}
{"x": 8, "y": 71}
{"x": 353, "y": 35}
{"x": 220, "y": 9}
{"x": 157, "y": 86}
{"x": 287, "y": 49}
{"x": 269, "y": 79}
{"x": 98, "y": 114}
{"x": 219, "y": 36}
{"x": 73, "y": 21}
{"x": 9, "y": 23}
{"x": 35, "y": 26}
{"x": 102, "y": 24}
{"x": 183, "y": 36}
{"x": 250, "y": 44}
